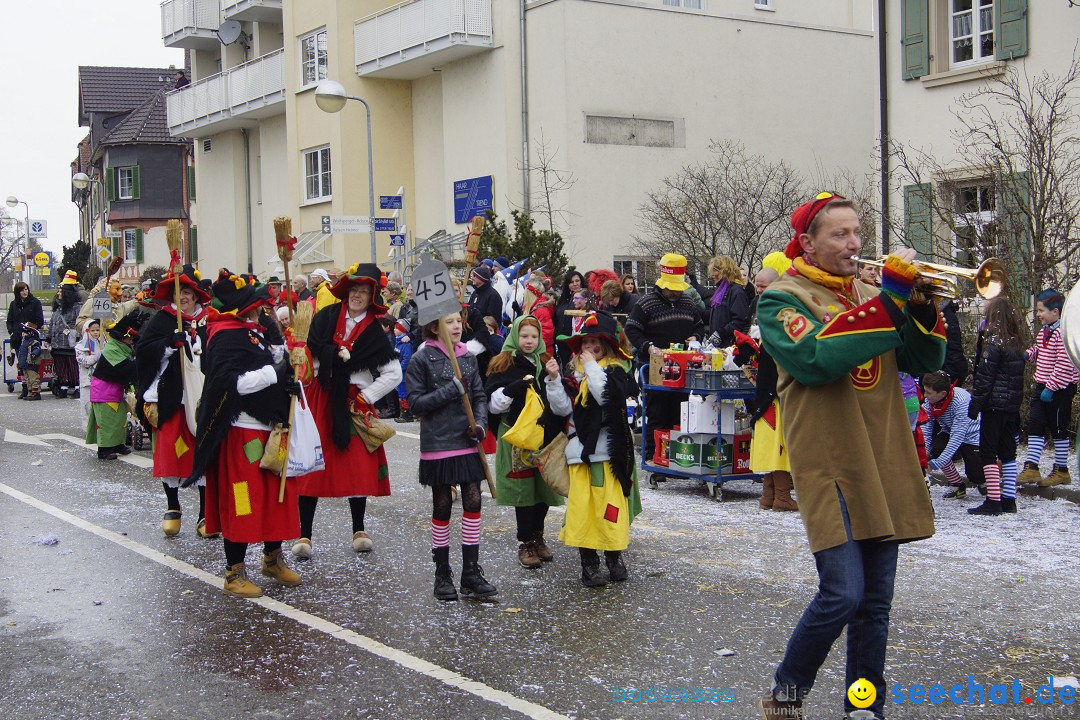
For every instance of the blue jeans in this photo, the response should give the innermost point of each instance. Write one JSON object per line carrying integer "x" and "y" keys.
{"x": 855, "y": 589}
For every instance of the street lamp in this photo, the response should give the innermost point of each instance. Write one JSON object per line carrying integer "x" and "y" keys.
{"x": 81, "y": 182}
{"x": 12, "y": 201}
{"x": 330, "y": 97}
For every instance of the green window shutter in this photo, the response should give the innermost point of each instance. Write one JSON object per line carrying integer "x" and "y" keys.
{"x": 915, "y": 26}
{"x": 110, "y": 184}
{"x": 1013, "y": 205}
{"x": 193, "y": 244}
{"x": 918, "y": 220}
{"x": 138, "y": 245}
{"x": 134, "y": 182}
{"x": 191, "y": 183}
{"x": 1011, "y": 23}
{"x": 118, "y": 246}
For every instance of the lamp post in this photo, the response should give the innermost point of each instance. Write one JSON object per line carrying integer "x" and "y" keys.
{"x": 81, "y": 182}
{"x": 12, "y": 201}
{"x": 330, "y": 97}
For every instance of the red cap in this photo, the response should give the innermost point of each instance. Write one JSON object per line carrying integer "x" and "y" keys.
{"x": 803, "y": 216}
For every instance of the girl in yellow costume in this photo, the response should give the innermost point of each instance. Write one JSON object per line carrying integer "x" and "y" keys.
{"x": 603, "y": 497}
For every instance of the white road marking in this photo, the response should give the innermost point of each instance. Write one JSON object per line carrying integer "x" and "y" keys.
{"x": 17, "y": 437}
{"x": 400, "y": 657}
{"x": 414, "y": 436}
{"x": 132, "y": 459}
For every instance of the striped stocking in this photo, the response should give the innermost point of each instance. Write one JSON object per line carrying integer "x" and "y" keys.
{"x": 992, "y": 473}
{"x": 952, "y": 475}
{"x": 440, "y": 533}
{"x": 470, "y": 528}
{"x": 1035, "y": 448}
{"x": 1008, "y": 479}
{"x": 1061, "y": 452}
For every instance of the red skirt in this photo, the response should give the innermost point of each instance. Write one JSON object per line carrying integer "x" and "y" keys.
{"x": 349, "y": 472}
{"x": 173, "y": 447}
{"x": 242, "y": 499}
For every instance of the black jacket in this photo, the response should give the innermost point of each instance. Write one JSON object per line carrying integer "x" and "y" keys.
{"x": 552, "y": 424}
{"x": 434, "y": 398}
{"x": 154, "y": 339}
{"x": 487, "y": 302}
{"x": 20, "y": 312}
{"x": 733, "y": 313}
{"x": 956, "y": 363}
{"x": 998, "y": 383}
{"x": 655, "y": 320}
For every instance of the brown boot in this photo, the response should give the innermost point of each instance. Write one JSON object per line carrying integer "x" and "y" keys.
{"x": 542, "y": 550}
{"x": 527, "y": 556}
{"x": 782, "y": 492}
{"x": 274, "y": 566}
{"x": 1030, "y": 474}
{"x": 766, "y": 501}
{"x": 1059, "y": 476}
{"x": 238, "y": 584}
{"x": 773, "y": 709}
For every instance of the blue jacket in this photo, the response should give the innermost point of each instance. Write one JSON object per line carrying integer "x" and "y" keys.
{"x": 403, "y": 344}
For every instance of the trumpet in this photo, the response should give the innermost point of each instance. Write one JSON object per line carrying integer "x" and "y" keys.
{"x": 942, "y": 281}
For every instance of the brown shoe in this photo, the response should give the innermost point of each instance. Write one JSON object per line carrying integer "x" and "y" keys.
{"x": 542, "y": 550}
{"x": 170, "y": 524}
{"x": 782, "y": 492}
{"x": 527, "y": 556}
{"x": 767, "y": 492}
{"x": 200, "y": 530}
{"x": 1030, "y": 474}
{"x": 773, "y": 709}
{"x": 1059, "y": 476}
{"x": 273, "y": 566}
{"x": 238, "y": 584}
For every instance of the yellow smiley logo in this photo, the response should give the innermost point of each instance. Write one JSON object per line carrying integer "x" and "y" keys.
{"x": 861, "y": 693}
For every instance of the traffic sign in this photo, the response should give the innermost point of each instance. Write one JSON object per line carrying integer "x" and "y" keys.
{"x": 397, "y": 241}
{"x": 389, "y": 202}
{"x": 104, "y": 253}
{"x": 38, "y": 229}
{"x": 114, "y": 234}
{"x": 433, "y": 292}
{"x": 103, "y": 242}
{"x": 346, "y": 224}
{"x": 385, "y": 224}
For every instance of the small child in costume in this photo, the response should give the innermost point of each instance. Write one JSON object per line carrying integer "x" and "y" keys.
{"x": 114, "y": 374}
{"x": 403, "y": 344}
{"x": 1050, "y": 412}
{"x": 997, "y": 389}
{"x": 87, "y": 354}
{"x": 949, "y": 432}
{"x": 603, "y": 498}
{"x": 448, "y": 453}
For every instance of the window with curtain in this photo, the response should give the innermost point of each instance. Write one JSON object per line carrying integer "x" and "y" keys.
{"x": 312, "y": 58}
{"x": 972, "y": 31}
{"x": 317, "y": 174}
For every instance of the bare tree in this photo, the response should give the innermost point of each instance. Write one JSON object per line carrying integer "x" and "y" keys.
{"x": 861, "y": 189}
{"x": 10, "y": 246}
{"x": 547, "y": 187}
{"x": 734, "y": 203}
{"x": 1014, "y": 189}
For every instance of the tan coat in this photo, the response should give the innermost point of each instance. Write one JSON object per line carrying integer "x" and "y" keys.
{"x": 844, "y": 417}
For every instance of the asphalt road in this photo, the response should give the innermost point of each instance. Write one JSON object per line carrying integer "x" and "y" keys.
{"x": 117, "y": 621}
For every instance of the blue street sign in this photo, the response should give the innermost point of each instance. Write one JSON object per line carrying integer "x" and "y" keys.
{"x": 473, "y": 197}
{"x": 389, "y": 202}
{"x": 397, "y": 241}
{"x": 385, "y": 224}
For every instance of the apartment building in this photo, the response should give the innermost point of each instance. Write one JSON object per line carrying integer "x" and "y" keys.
{"x": 623, "y": 93}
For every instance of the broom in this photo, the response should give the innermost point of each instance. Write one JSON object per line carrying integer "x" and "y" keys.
{"x": 286, "y": 243}
{"x": 174, "y": 238}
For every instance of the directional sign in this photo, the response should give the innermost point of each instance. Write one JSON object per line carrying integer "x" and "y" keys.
{"x": 101, "y": 306}
{"x": 433, "y": 292}
{"x": 38, "y": 229}
{"x": 472, "y": 197}
{"x": 104, "y": 253}
{"x": 114, "y": 234}
{"x": 389, "y": 202}
{"x": 397, "y": 241}
{"x": 385, "y": 224}
{"x": 346, "y": 224}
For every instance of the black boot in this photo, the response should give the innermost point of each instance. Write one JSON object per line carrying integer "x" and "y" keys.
{"x": 988, "y": 507}
{"x": 444, "y": 576}
{"x": 393, "y": 407}
{"x": 616, "y": 567}
{"x": 473, "y": 582}
{"x": 590, "y": 568}
{"x": 1008, "y": 505}
{"x": 22, "y": 396}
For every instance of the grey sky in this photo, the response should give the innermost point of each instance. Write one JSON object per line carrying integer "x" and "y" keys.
{"x": 44, "y": 43}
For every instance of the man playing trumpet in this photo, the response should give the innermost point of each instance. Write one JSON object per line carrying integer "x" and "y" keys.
{"x": 840, "y": 343}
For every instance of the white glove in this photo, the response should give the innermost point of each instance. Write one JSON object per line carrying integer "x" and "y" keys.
{"x": 344, "y": 354}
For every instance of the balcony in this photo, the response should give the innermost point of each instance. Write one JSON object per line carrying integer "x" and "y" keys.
{"x": 252, "y": 10}
{"x": 190, "y": 24}
{"x": 405, "y": 41}
{"x": 232, "y": 99}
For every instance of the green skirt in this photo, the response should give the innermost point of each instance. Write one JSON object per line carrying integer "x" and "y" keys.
{"x": 519, "y": 491}
{"x": 107, "y": 424}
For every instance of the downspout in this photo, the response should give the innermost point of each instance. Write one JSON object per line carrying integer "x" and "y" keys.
{"x": 524, "y": 117}
{"x": 247, "y": 201}
{"x": 883, "y": 111}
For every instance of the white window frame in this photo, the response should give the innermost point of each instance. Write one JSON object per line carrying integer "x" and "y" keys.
{"x": 322, "y": 177}
{"x": 764, "y": 5}
{"x": 125, "y": 183}
{"x": 976, "y": 19}
{"x": 688, "y": 4}
{"x": 131, "y": 246}
{"x": 313, "y": 69}
{"x": 979, "y": 220}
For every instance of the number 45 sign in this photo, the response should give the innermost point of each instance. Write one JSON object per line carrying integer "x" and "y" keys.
{"x": 433, "y": 292}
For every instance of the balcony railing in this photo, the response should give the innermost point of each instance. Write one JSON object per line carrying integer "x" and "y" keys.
{"x": 406, "y": 40}
{"x": 253, "y": 10}
{"x": 230, "y": 99}
{"x": 190, "y": 24}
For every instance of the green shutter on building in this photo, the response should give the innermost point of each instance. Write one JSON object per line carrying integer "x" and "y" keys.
{"x": 193, "y": 244}
{"x": 918, "y": 219}
{"x": 191, "y": 183}
{"x": 110, "y": 184}
{"x": 118, "y": 246}
{"x": 1012, "y": 29}
{"x": 135, "y": 182}
{"x": 138, "y": 245}
{"x": 915, "y": 29}
{"x": 1013, "y": 205}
